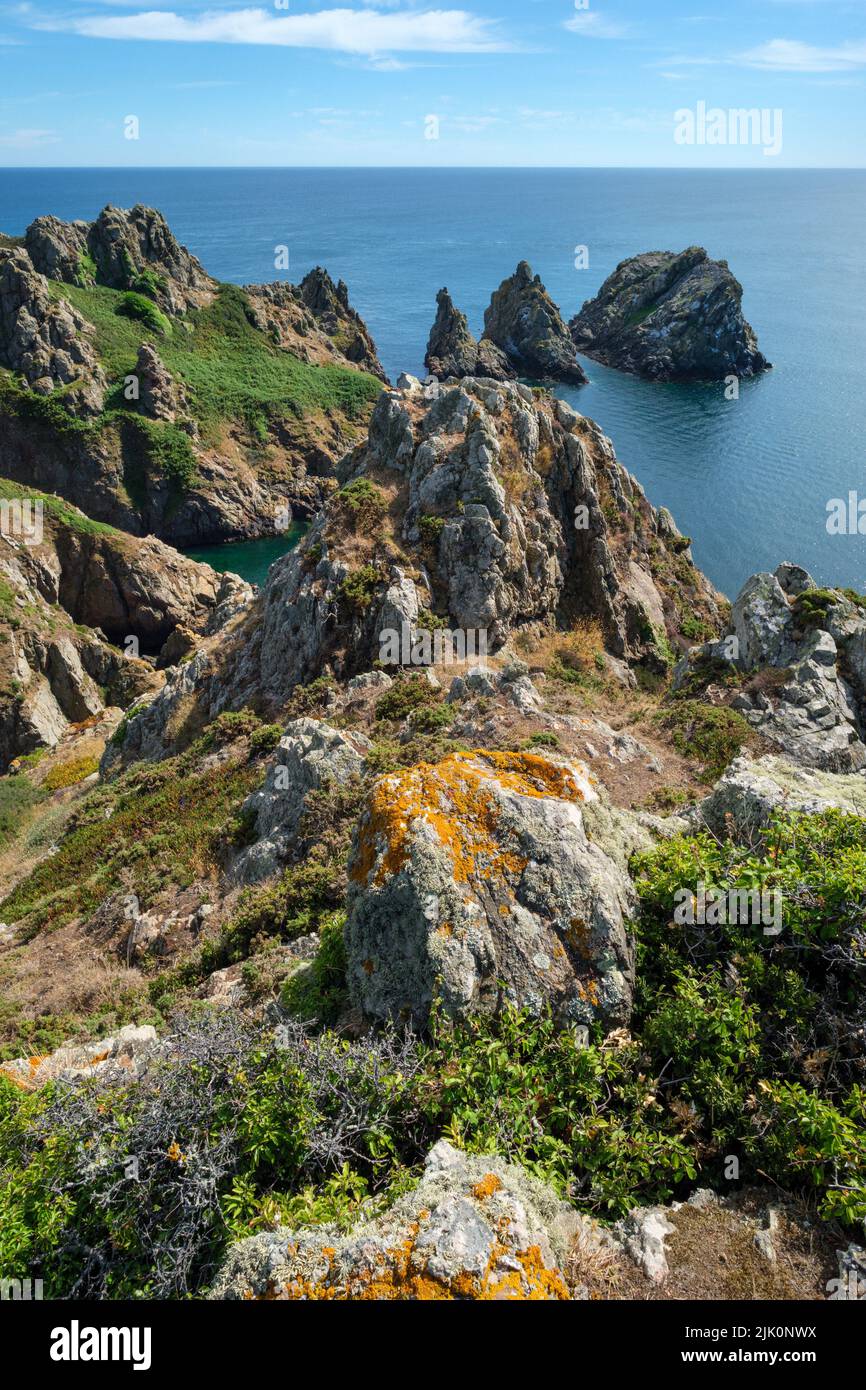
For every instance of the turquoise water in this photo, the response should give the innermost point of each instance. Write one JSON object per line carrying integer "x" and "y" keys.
{"x": 750, "y": 479}
{"x": 250, "y": 559}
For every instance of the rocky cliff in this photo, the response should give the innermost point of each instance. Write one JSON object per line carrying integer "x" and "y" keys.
{"x": 478, "y": 508}
{"x": 452, "y": 351}
{"x": 158, "y": 400}
{"x": 670, "y": 317}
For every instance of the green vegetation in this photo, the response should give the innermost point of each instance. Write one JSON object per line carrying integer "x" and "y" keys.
{"x": 143, "y": 310}
{"x": 708, "y": 734}
{"x": 56, "y": 507}
{"x": 17, "y": 797}
{"x": 365, "y": 503}
{"x": 230, "y": 368}
{"x": 407, "y": 696}
{"x": 359, "y": 586}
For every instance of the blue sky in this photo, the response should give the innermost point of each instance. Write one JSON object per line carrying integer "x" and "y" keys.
{"x": 510, "y": 82}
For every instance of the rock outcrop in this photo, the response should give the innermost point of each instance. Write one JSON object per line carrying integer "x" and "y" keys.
{"x": 121, "y": 1054}
{"x": 315, "y": 321}
{"x": 474, "y": 1228}
{"x": 495, "y": 509}
{"x": 474, "y": 879}
{"x": 160, "y": 397}
{"x": 72, "y": 597}
{"x": 310, "y": 755}
{"x": 794, "y": 665}
{"x": 45, "y": 339}
{"x": 752, "y": 790}
{"x": 523, "y": 321}
{"x": 670, "y": 317}
{"x": 452, "y": 351}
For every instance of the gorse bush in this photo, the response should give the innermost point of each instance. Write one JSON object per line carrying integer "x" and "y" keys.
{"x": 112, "y": 1191}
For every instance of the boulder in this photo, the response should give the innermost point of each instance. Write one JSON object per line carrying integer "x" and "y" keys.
{"x": 474, "y": 879}
{"x": 670, "y": 316}
{"x": 524, "y": 323}
{"x": 473, "y": 1228}
{"x": 310, "y": 755}
{"x": 160, "y": 397}
{"x": 751, "y": 790}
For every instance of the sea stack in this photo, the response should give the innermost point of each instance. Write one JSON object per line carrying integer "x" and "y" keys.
{"x": 452, "y": 351}
{"x": 670, "y": 317}
{"x": 525, "y": 323}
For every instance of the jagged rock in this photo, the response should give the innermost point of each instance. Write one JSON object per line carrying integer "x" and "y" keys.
{"x": 814, "y": 642}
{"x": 511, "y": 545}
{"x": 475, "y": 878}
{"x": 523, "y": 321}
{"x": 310, "y": 755}
{"x": 123, "y": 244}
{"x": 124, "y": 1050}
{"x": 315, "y": 321}
{"x": 159, "y": 396}
{"x": 57, "y": 249}
{"x": 46, "y": 339}
{"x": 851, "y": 1283}
{"x": 751, "y": 790}
{"x": 77, "y": 578}
{"x": 474, "y": 1228}
{"x": 669, "y": 317}
{"x": 453, "y": 351}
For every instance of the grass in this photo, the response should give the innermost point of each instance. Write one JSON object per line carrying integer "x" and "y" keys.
{"x": 231, "y": 370}
{"x": 153, "y": 828}
{"x": 56, "y": 507}
{"x": 17, "y": 799}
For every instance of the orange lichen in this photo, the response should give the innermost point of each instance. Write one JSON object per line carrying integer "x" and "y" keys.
{"x": 457, "y": 799}
{"x": 489, "y": 1184}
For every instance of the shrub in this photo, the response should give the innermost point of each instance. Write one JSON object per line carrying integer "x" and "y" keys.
{"x": 708, "y": 734}
{"x": 69, "y": 773}
{"x": 265, "y": 738}
{"x": 365, "y": 502}
{"x": 227, "y": 1130}
{"x": 359, "y": 586}
{"x": 138, "y": 307}
{"x": 407, "y": 695}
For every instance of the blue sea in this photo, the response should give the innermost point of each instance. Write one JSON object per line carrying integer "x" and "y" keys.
{"x": 748, "y": 479}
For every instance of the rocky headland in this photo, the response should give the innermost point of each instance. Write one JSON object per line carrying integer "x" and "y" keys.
{"x": 158, "y": 400}
{"x": 440, "y": 920}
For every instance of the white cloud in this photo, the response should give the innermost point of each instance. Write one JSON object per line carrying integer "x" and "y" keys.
{"x": 789, "y": 55}
{"x": 593, "y": 25}
{"x": 28, "y": 139}
{"x": 342, "y": 30}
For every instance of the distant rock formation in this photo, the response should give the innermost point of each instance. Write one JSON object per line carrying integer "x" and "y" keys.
{"x": 452, "y": 351}
{"x": 670, "y": 317}
{"x": 523, "y": 321}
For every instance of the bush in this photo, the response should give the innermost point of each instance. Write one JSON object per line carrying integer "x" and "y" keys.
{"x": 408, "y": 695}
{"x": 143, "y": 310}
{"x": 358, "y": 588}
{"x": 69, "y": 773}
{"x": 227, "y": 1131}
{"x": 708, "y": 734}
{"x": 366, "y": 503}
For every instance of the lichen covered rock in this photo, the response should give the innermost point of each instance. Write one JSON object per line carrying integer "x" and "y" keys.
{"x": 474, "y": 1228}
{"x": 474, "y": 879}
